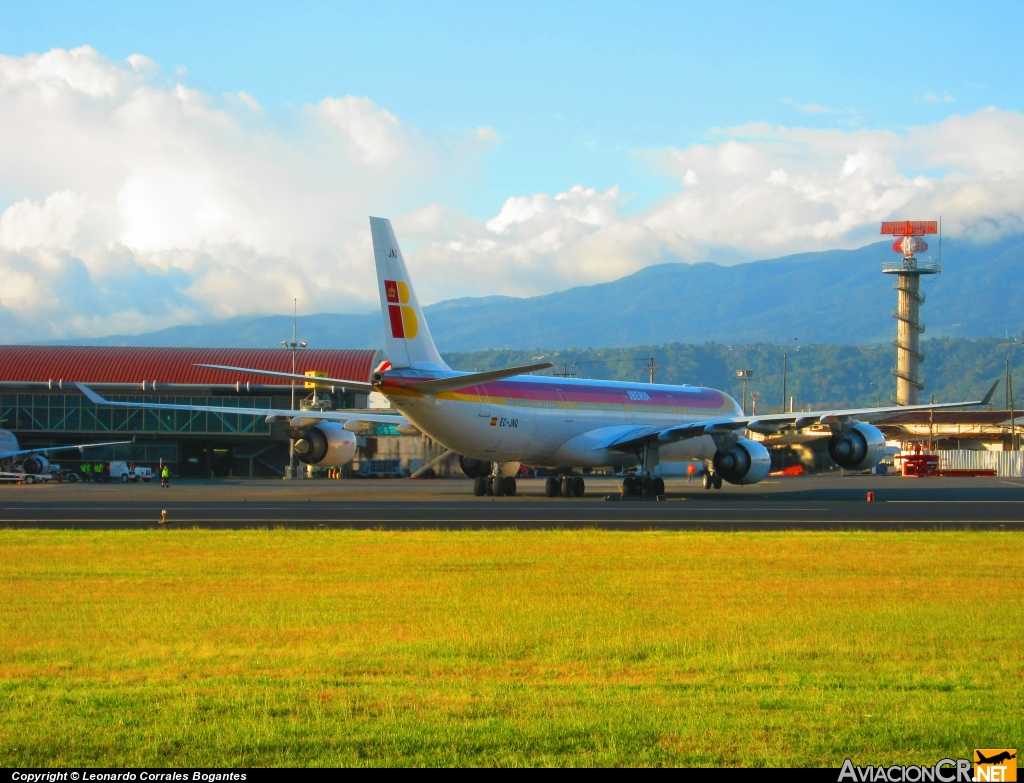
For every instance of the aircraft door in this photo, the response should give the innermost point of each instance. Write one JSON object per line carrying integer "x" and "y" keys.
{"x": 485, "y": 402}
{"x": 563, "y": 402}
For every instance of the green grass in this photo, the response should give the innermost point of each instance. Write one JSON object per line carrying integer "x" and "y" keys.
{"x": 293, "y": 647}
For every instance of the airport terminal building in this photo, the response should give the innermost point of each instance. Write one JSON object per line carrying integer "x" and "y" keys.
{"x": 39, "y": 404}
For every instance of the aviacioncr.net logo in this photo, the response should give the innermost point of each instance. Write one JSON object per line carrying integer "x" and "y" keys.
{"x": 943, "y": 771}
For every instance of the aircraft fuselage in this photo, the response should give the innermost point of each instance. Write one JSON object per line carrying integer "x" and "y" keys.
{"x": 552, "y": 421}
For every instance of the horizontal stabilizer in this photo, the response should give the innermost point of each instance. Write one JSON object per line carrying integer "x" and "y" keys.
{"x": 463, "y": 381}
{"x": 354, "y": 385}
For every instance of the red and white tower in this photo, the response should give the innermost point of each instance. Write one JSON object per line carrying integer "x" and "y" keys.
{"x": 909, "y": 327}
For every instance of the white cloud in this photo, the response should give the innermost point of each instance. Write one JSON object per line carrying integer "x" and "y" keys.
{"x": 760, "y": 192}
{"x": 134, "y": 202}
{"x": 194, "y": 206}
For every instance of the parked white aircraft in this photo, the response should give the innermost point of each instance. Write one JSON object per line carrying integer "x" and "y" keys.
{"x": 500, "y": 419}
{"x": 322, "y": 438}
{"x": 16, "y": 461}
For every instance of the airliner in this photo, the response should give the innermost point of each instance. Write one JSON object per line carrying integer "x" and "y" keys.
{"x": 19, "y": 463}
{"x": 500, "y": 419}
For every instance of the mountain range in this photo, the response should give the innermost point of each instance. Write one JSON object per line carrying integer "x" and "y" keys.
{"x": 835, "y": 296}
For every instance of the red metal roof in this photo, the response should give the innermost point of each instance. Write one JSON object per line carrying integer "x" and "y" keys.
{"x": 93, "y": 364}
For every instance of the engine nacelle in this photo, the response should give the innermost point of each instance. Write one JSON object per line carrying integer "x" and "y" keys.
{"x": 474, "y": 467}
{"x": 328, "y": 444}
{"x": 861, "y": 448}
{"x": 747, "y": 462}
{"x": 36, "y": 464}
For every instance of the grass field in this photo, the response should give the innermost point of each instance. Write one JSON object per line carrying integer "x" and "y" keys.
{"x": 300, "y": 647}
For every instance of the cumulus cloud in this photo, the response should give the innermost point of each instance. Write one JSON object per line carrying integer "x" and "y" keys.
{"x": 162, "y": 193}
{"x": 760, "y": 191}
{"x": 131, "y": 201}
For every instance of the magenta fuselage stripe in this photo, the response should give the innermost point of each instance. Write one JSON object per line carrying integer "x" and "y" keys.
{"x": 575, "y": 393}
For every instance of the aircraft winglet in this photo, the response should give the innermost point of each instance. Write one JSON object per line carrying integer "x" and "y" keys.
{"x": 988, "y": 397}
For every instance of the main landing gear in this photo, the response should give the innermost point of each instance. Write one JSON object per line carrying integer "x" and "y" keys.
{"x": 566, "y": 486}
{"x": 495, "y": 486}
{"x": 712, "y": 480}
{"x": 643, "y": 486}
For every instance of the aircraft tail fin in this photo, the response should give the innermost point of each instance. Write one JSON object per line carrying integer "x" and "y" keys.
{"x": 406, "y": 334}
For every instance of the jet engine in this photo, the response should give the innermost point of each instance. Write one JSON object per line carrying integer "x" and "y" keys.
{"x": 474, "y": 467}
{"x": 746, "y": 462}
{"x": 35, "y": 464}
{"x": 860, "y": 448}
{"x": 328, "y": 444}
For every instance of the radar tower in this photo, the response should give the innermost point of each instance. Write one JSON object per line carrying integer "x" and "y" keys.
{"x": 909, "y": 325}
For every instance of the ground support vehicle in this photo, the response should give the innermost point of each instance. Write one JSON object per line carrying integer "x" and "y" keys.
{"x": 26, "y": 478}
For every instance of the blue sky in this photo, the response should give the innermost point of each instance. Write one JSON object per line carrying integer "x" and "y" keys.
{"x": 573, "y": 89}
{"x": 184, "y": 162}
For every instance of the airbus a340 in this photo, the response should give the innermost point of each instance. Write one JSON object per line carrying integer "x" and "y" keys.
{"x": 499, "y": 419}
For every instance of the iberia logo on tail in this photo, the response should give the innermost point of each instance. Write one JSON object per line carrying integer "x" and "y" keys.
{"x": 403, "y": 318}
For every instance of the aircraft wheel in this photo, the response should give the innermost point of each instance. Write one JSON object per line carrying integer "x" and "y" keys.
{"x": 551, "y": 487}
{"x": 578, "y": 487}
{"x": 480, "y": 486}
{"x": 567, "y": 486}
{"x": 659, "y": 486}
{"x": 648, "y": 487}
{"x": 509, "y": 486}
{"x": 496, "y": 486}
{"x": 708, "y": 482}
{"x": 718, "y": 482}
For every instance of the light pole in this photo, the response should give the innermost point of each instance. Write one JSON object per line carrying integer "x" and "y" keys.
{"x": 785, "y": 358}
{"x": 1009, "y": 397}
{"x": 745, "y": 375}
{"x": 651, "y": 369}
{"x": 294, "y": 346}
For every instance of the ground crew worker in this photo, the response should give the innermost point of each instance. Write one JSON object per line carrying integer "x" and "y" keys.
{"x": 165, "y": 477}
{"x": 85, "y": 471}
{"x": 691, "y": 471}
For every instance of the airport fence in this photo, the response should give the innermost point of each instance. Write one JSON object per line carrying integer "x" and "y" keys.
{"x": 1005, "y": 463}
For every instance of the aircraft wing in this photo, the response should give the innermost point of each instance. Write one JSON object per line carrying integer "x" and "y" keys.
{"x": 26, "y": 452}
{"x": 772, "y": 423}
{"x": 274, "y": 415}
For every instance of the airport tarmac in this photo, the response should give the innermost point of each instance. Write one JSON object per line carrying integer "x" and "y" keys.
{"x": 805, "y": 502}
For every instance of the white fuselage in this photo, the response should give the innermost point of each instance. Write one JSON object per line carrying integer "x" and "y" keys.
{"x": 8, "y": 445}
{"x": 545, "y": 421}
